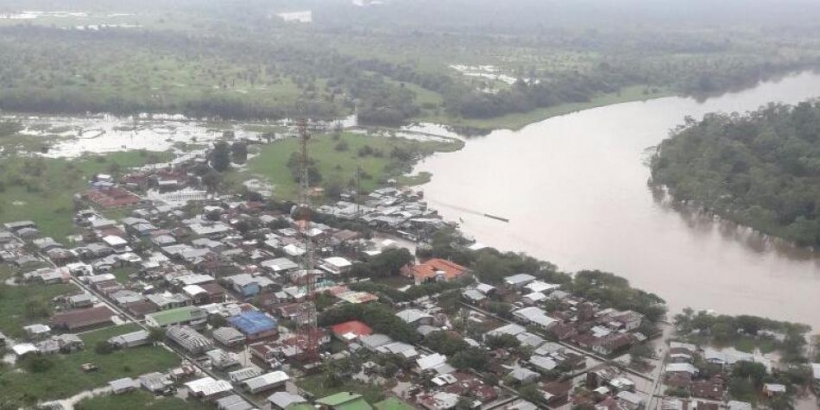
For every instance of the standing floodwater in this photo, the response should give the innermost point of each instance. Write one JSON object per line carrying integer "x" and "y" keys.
{"x": 575, "y": 190}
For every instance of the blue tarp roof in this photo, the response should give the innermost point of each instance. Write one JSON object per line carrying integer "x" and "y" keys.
{"x": 252, "y": 322}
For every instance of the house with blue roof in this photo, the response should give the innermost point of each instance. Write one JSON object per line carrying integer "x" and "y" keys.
{"x": 254, "y": 325}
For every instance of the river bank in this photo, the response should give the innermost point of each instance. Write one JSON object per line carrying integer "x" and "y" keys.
{"x": 574, "y": 188}
{"x": 520, "y": 120}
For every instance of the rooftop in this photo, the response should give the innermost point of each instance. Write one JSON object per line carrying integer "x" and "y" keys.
{"x": 355, "y": 327}
{"x": 432, "y": 267}
{"x": 253, "y": 322}
{"x": 345, "y": 401}
{"x": 177, "y": 315}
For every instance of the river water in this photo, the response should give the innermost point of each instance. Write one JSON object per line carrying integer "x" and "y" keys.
{"x": 575, "y": 190}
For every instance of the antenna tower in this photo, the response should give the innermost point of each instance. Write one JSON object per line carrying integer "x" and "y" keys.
{"x": 308, "y": 337}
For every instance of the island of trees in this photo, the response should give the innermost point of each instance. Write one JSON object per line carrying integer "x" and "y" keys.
{"x": 761, "y": 169}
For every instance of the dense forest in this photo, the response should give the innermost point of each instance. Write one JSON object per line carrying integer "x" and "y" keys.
{"x": 390, "y": 64}
{"x": 761, "y": 169}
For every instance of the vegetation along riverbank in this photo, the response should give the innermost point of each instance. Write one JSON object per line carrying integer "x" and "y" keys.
{"x": 761, "y": 169}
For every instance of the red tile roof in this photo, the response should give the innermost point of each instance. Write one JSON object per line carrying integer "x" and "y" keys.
{"x": 353, "y": 326}
{"x": 429, "y": 269}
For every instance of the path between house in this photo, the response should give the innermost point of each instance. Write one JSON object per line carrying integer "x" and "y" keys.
{"x": 68, "y": 404}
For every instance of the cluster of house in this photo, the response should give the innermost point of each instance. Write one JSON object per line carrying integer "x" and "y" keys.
{"x": 571, "y": 319}
{"x": 438, "y": 385}
{"x": 683, "y": 372}
{"x": 176, "y": 268}
{"x": 401, "y": 211}
{"x": 224, "y": 280}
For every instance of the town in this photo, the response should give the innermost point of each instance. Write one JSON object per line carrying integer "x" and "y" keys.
{"x": 172, "y": 293}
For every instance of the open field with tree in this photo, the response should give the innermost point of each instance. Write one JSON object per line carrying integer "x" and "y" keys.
{"x": 24, "y": 305}
{"x": 137, "y": 400}
{"x": 60, "y": 376}
{"x": 42, "y": 189}
{"x": 336, "y": 159}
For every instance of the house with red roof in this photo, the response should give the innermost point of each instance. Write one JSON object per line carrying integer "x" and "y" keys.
{"x": 351, "y": 331}
{"x": 434, "y": 270}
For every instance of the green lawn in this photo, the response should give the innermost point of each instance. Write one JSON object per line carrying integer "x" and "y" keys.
{"x": 340, "y": 166}
{"x": 138, "y": 400}
{"x": 520, "y": 120}
{"x": 313, "y": 384}
{"x": 28, "y": 304}
{"x": 392, "y": 403}
{"x": 42, "y": 190}
{"x": 65, "y": 378}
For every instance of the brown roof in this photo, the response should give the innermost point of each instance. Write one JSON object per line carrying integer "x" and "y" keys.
{"x": 707, "y": 389}
{"x": 83, "y": 318}
{"x": 213, "y": 289}
{"x": 141, "y": 308}
{"x": 428, "y": 270}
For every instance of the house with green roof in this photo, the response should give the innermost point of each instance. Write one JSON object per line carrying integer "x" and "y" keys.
{"x": 393, "y": 403}
{"x": 300, "y": 406}
{"x": 345, "y": 401}
{"x": 188, "y": 315}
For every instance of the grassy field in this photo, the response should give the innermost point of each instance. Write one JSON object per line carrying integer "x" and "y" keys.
{"x": 28, "y": 304}
{"x": 42, "y": 190}
{"x": 518, "y": 121}
{"x": 340, "y": 166}
{"x": 137, "y": 400}
{"x": 313, "y": 384}
{"x": 65, "y": 378}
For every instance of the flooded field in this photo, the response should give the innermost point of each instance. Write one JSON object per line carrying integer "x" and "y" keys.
{"x": 71, "y": 137}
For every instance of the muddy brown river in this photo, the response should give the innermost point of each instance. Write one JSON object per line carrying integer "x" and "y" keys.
{"x": 575, "y": 191}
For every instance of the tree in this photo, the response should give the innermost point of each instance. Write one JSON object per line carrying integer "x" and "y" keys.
{"x": 445, "y": 342}
{"x": 155, "y": 335}
{"x": 38, "y": 363}
{"x": 360, "y": 270}
{"x": 324, "y": 300}
{"x": 114, "y": 168}
{"x": 239, "y": 152}
{"x": 390, "y": 262}
{"x": 470, "y": 358}
{"x": 754, "y": 372}
{"x": 464, "y": 403}
{"x": 639, "y": 354}
{"x": 531, "y": 393}
{"x": 221, "y": 156}
{"x": 212, "y": 180}
{"x": 504, "y": 341}
{"x": 389, "y": 370}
